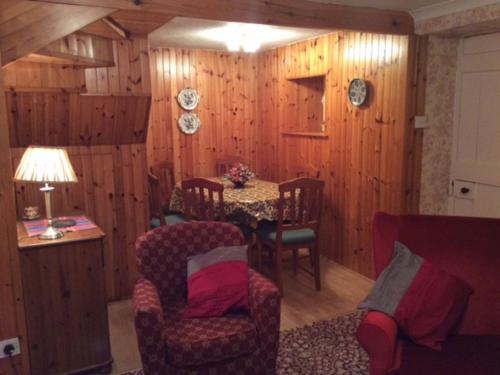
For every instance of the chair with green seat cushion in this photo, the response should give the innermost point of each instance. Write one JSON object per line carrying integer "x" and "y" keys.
{"x": 299, "y": 213}
{"x": 170, "y": 219}
{"x": 157, "y": 206}
{"x": 267, "y": 230}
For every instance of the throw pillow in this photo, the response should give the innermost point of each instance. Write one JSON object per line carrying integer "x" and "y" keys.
{"x": 424, "y": 300}
{"x": 217, "y": 282}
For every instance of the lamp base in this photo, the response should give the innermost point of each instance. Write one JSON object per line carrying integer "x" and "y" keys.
{"x": 51, "y": 234}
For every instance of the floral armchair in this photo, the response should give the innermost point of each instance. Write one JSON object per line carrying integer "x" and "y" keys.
{"x": 233, "y": 344}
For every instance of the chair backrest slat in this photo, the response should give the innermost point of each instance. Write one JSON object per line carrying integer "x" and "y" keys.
{"x": 198, "y": 195}
{"x": 300, "y": 204}
{"x": 223, "y": 165}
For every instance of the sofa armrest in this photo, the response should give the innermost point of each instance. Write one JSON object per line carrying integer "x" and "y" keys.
{"x": 377, "y": 334}
{"x": 149, "y": 325}
{"x": 264, "y": 300}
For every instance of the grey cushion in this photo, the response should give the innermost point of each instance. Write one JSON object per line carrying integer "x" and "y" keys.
{"x": 393, "y": 281}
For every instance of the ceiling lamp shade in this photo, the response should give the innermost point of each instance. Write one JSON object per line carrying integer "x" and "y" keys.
{"x": 45, "y": 164}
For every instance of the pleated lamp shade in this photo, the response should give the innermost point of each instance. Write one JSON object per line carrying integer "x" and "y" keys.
{"x": 45, "y": 164}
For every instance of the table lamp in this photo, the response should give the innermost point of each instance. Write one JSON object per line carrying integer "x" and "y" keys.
{"x": 46, "y": 165}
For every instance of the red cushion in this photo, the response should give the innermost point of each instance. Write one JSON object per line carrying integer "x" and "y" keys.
{"x": 425, "y": 301}
{"x": 432, "y": 306}
{"x": 462, "y": 246}
{"x": 461, "y": 355}
{"x": 217, "y": 282}
{"x": 194, "y": 342}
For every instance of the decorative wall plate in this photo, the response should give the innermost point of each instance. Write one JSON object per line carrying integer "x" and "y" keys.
{"x": 189, "y": 123}
{"x": 357, "y": 92}
{"x": 188, "y": 99}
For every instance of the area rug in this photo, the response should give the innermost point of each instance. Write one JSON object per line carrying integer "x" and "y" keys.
{"x": 328, "y": 347}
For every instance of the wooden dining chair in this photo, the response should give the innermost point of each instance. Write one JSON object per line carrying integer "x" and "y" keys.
{"x": 164, "y": 173}
{"x": 223, "y": 165}
{"x": 158, "y": 215}
{"x": 198, "y": 195}
{"x": 299, "y": 216}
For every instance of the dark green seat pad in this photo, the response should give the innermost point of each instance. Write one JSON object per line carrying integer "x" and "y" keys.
{"x": 267, "y": 230}
{"x": 171, "y": 219}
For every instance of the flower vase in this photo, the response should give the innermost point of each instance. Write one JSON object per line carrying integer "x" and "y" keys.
{"x": 238, "y": 184}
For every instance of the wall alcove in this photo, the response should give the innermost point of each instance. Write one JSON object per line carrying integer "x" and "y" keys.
{"x": 306, "y": 106}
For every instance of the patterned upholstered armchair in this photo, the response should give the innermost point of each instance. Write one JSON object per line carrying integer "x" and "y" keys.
{"x": 233, "y": 344}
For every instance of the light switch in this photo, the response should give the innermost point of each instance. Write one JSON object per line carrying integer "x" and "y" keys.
{"x": 420, "y": 122}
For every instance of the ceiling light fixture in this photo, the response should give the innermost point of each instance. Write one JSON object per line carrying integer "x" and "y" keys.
{"x": 250, "y": 45}
{"x": 245, "y": 36}
{"x": 233, "y": 44}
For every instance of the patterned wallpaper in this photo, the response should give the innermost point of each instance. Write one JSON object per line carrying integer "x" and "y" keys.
{"x": 459, "y": 20}
{"x": 438, "y": 136}
{"x": 440, "y": 96}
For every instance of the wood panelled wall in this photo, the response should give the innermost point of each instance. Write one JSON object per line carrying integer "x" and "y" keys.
{"x": 69, "y": 118}
{"x": 68, "y": 106}
{"x": 227, "y": 84}
{"x": 130, "y": 74}
{"x": 368, "y": 156}
{"x": 111, "y": 190}
{"x": 365, "y": 153}
{"x": 12, "y": 318}
{"x": 41, "y": 76}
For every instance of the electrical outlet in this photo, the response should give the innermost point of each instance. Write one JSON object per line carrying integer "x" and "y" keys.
{"x": 420, "y": 122}
{"x": 14, "y": 342}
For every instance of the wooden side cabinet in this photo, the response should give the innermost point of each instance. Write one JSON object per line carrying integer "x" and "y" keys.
{"x": 65, "y": 302}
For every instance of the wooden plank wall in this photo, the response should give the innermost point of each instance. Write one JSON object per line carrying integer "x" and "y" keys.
{"x": 40, "y": 76}
{"x": 111, "y": 190}
{"x": 70, "y": 118}
{"x": 129, "y": 75}
{"x": 111, "y": 166}
{"x": 227, "y": 84}
{"x": 368, "y": 156}
{"x": 12, "y": 318}
{"x": 365, "y": 157}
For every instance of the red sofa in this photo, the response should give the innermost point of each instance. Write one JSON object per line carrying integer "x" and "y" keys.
{"x": 468, "y": 248}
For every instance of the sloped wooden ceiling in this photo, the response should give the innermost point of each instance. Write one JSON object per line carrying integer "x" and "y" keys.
{"x": 298, "y": 13}
{"x": 124, "y": 24}
{"x": 27, "y": 26}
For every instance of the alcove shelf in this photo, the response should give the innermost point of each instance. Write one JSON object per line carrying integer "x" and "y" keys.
{"x": 306, "y": 105}
{"x": 305, "y": 134}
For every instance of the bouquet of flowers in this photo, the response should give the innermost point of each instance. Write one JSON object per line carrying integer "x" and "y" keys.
{"x": 239, "y": 175}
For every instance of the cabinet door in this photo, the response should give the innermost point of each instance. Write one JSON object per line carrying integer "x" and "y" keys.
{"x": 66, "y": 309}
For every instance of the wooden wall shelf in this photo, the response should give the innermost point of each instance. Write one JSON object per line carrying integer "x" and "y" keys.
{"x": 306, "y": 134}
{"x": 306, "y": 76}
{"x": 126, "y": 93}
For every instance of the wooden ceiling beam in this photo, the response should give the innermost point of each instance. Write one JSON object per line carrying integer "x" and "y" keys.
{"x": 101, "y": 29}
{"x": 116, "y": 27}
{"x": 35, "y": 32}
{"x": 298, "y": 13}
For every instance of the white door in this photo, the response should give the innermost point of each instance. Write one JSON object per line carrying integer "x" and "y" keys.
{"x": 475, "y": 167}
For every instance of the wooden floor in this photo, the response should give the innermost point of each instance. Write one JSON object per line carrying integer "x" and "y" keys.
{"x": 342, "y": 290}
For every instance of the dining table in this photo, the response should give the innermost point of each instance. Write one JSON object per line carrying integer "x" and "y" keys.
{"x": 256, "y": 200}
